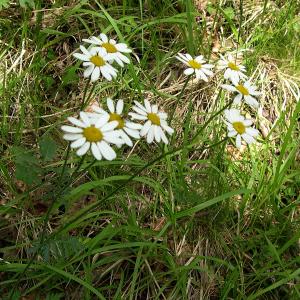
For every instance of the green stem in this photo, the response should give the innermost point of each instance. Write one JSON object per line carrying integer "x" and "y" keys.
{"x": 84, "y": 93}
{"x": 85, "y": 103}
{"x": 179, "y": 98}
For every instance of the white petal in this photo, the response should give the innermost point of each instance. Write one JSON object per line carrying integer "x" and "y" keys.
{"x": 109, "y": 126}
{"x": 157, "y": 135}
{"x": 145, "y": 128}
{"x": 87, "y": 63}
{"x": 228, "y": 87}
{"x": 99, "y": 110}
{"x": 207, "y": 72}
{"x": 119, "y": 107}
{"x": 88, "y": 71}
{"x": 78, "y": 143}
{"x": 248, "y": 122}
{"x": 103, "y": 119}
{"x": 167, "y": 128}
{"x": 104, "y": 37}
{"x": 84, "y": 117}
{"x": 132, "y": 132}
{"x": 110, "y": 105}
{"x": 202, "y": 75}
{"x": 237, "y": 99}
{"x": 150, "y": 135}
{"x": 147, "y": 106}
{"x": 123, "y": 48}
{"x": 181, "y": 59}
{"x": 84, "y": 50}
{"x": 76, "y": 122}
{"x": 248, "y": 138}
{"x": 227, "y": 74}
{"x": 84, "y": 149}
{"x": 189, "y": 71}
{"x": 162, "y": 115}
{"x": 199, "y": 59}
{"x": 118, "y": 61}
{"x": 137, "y": 117}
{"x": 113, "y": 137}
{"x": 72, "y": 136}
{"x": 154, "y": 109}
{"x": 140, "y": 106}
{"x": 125, "y": 138}
{"x": 107, "y": 151}
{"x": 81, "y": 56}
{"x": 139, "y": 111}
{"x": 96, "y": 151}
{"x": 163, "y": 136}
{"x": 252, "y": 131}
{"x": 71, "y": 129}
{"x": 238, "y": 141}
{"x": 123, "y": 58}
{"x": 232, "y": 133}
{"x": 106, "y": 74}
{"x": 251, "y": 101}
{"x": 95, "y": 75}
{"x": 234, "y": 76}
{"x": 188, "y": 56}
{"x": 132, "y": 125}
{"x": 207, "y": 66}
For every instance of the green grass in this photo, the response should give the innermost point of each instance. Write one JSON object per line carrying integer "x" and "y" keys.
{"x": 196, "y": 219}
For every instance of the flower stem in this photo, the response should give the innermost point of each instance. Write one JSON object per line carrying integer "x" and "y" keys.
{"x": 179, "y": 98}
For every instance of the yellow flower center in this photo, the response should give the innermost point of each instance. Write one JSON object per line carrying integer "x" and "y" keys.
{"x": 239, "y": 127}
{"x": 97, "y": 60}
{"x": 242, "y": 90}
{"x": 194, "y": 64}
{"x": 110, "y": 48}
{"x": 92, "y": 134}
{"x": 116, "y": 117}
{"x": 154, "y": 118}
{"x": 233, "y": 66}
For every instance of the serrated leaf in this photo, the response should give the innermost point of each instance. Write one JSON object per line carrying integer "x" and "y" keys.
{"x": 70, "y": 76}
{"x": 27, "y": 166}
{"x": 48, "y": 147}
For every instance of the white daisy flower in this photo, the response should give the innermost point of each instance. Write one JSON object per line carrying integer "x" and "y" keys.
{"x": 155, "y": 124}
{"x": 238, "y": 126}
{"x": 114, "y": 50}
{"x": 96, "y": 61}
{"x": 93, "y": 134}
{"x": 196, "y": 65}
{"x": 125, "y": 128}
{"x": 234, "y": 71}
{"x": 245, "y": 90}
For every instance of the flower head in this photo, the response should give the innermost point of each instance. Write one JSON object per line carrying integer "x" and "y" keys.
{"x": 238, "y": 126}
{"x": 196, "y": 65}
{"x": 125, "y": 128}
{"x": 114, "y": 50}
{"x": 96, "y": 63}
{"x": 244, "y": 90}
{"x": 234, "y": 70}
{"x": 155, "y": 125}
{"x": 93, "y": 134}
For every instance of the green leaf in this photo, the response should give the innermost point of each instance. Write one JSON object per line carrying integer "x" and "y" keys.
{"x": 27, "y": 3}
{"x": 229, "y": 12}
{"x": 27, "y": 166}
{"x": 48, "y": 147}
{"x": 70, "y": 75}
